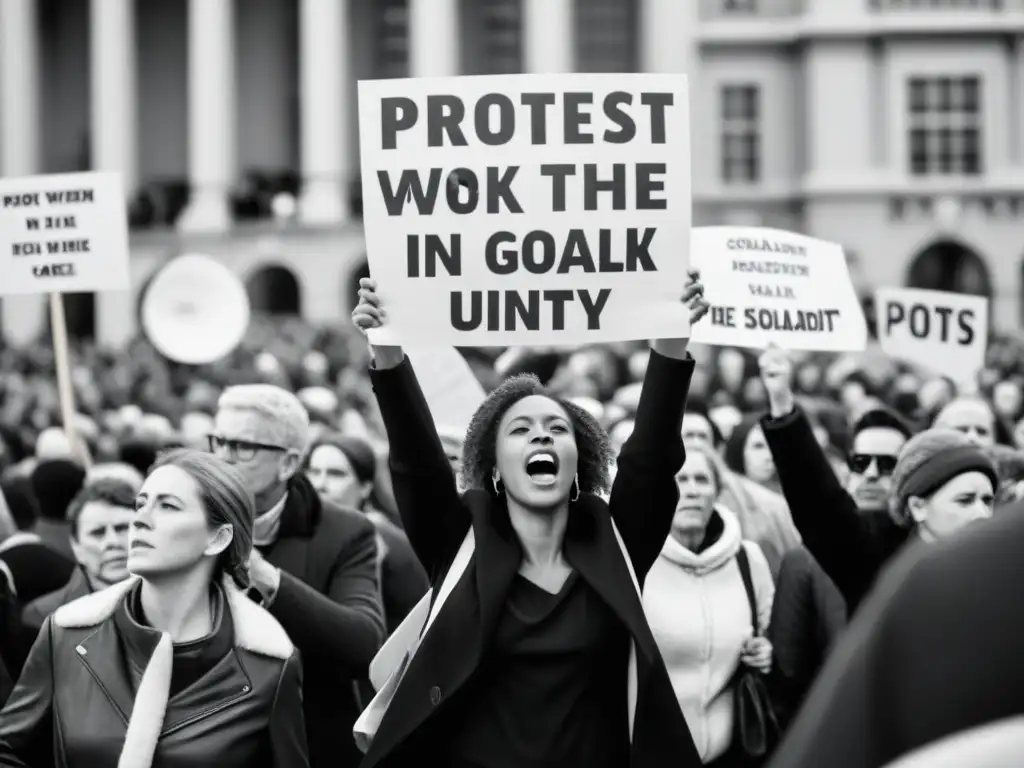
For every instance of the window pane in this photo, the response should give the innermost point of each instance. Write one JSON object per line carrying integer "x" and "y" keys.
{"x": 751, "y": 108}
{"x": 918, "y": 151}
{"x": 972, "y": 151}
{"x": 971, "y": 95}
{"x": 918, "y": 95}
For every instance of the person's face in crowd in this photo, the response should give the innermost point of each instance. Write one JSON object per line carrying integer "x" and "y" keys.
{"x": 754, "y": 393}
{"x": 1006, "y": 399}
{"x": 331, "y": 473}
{"x": 170, "y": 534}
{"x": 245, "y": 439}
{"x": 697, "y": 430}
{"x": 731, "y": 368}
{"x": 808, "y": 378}
{"x": 971, "y": 417}
{"x": 536, "y": 454}
{"x": 620, "y": 433}
{"x": 697, "y": 495}
{"x": 872, "y": 461}
{"x": 757, "y": 457}
{"x": 966, "y": 499}
{"x": 637, "y": 364}
{"x": 100, "y": 542}
{"x": 851, "y": 395}
{"x": 935, "y": 394}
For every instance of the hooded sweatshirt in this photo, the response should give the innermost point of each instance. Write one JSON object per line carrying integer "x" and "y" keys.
{"x": 698, "y": 611}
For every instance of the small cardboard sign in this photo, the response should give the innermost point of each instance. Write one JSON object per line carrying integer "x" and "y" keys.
{"x": 63, "y": 233}
{"x": 945, "y": 333}
{"x": 767, "y": 286}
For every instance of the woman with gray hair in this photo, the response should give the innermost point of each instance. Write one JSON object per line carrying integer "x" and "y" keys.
{"x": 175, "y": 666}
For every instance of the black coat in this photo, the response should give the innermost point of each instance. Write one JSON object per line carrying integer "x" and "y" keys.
{"x": 329, "y": 604}
{"x": 403, "y": 582}
{"x": 71, "y": 706}
{"x": 642, "y": 504}
{"x": 935, "y": 650}
{"x": 808, "y": 617}
{"x": 35, "y": 613}
{"x": 850, "y": 546}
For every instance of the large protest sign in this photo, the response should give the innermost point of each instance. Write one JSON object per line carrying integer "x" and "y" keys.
{"x": 570, "y": 218}
{"x": 63, "y": 233}
{"x": 945, "y": 333}
{"x": 768, "y": 286}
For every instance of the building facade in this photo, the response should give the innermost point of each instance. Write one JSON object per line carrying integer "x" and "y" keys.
{"x": 894, "y": 127}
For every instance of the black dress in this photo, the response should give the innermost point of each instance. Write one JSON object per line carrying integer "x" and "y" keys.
{"x": 543, "y": 686}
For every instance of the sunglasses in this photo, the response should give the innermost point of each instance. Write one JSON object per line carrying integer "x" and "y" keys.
{"x": 860, "y": 462}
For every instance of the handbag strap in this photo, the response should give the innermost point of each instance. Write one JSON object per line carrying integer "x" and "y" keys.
{"x": 743, "y": 561}
{"x": 455, "y": 571}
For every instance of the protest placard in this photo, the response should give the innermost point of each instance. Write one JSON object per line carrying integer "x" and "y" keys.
{"x": 63, "y": 233}
{"x": 945, "y": 333}
{"x": 769, "y": 286}
{"x": 571, "y": 216}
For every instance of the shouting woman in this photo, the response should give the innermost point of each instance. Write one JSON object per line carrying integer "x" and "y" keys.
{"x": 528, "y": 662}
{"x": 174, "y": 667}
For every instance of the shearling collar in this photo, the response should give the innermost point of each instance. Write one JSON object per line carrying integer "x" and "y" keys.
{"x": 255, "y": 629}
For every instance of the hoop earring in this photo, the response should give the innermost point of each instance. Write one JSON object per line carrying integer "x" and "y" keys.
{"x": 576, "y": 487}
{"x": 496, "y": 482}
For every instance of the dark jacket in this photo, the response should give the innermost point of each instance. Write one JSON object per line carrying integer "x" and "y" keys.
{"x": 35, "y": 613}
{"x": 642, "y": 504}
{"x": 71, "y": 706}
{"x": 329, "y": 604}
{"x": 934, "y": 650}
{"x": 403, "y": 581}
{"x": 808, "y": 615}
{"x": 851, "y": 546}
{"x": 37, "y": 568}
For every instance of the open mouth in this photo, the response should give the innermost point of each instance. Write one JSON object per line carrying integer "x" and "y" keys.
{"x": 542, "y": 467}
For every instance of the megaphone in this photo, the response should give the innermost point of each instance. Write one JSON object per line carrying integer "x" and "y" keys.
{"x": 196, "y": 310}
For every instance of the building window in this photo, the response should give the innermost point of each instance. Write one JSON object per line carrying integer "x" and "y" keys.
{"x": 492, "y": 37}
{"x": 741, "y": 134}
{"x": 607, "y": 35}
{"x": 739, "y": 6}
{"x": 390, "y": 38}
{"x": 945, "y": 126}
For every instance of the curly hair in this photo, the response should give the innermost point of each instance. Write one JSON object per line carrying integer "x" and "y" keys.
{"x": 479, "y": 451}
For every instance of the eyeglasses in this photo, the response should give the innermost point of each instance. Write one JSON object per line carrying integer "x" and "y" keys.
{"x": 240, "y": 450}
{"x": 884, "y": 463}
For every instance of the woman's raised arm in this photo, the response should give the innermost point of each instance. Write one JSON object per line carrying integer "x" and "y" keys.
{"x": 424, "y": 485}
{"x": 644, "y": 494}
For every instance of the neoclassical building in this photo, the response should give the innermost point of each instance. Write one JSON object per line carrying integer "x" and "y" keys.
{"x": 895, "y": 127}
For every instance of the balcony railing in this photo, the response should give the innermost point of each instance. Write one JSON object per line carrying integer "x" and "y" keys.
{"x": 938, "y": 5}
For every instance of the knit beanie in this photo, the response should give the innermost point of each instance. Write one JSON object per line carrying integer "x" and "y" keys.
{"x": 55, "y": 482}
{"x": 930, "y": 460}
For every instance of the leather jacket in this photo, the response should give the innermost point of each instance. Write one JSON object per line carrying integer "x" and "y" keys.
{"x": 77, "y": 693}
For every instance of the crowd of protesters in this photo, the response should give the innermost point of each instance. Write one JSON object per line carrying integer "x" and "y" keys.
{"x": 299, "y": 485}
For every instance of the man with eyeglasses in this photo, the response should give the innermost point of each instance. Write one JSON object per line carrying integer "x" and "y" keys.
{"x": 848, "y": 530}
{"x": 314, "y": 565}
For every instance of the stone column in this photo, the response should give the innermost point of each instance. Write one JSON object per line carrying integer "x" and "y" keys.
{"x": 548, "y": 36}
{"x": 434, "y": 32}
{"x": 24, "y": 317}
{"x": 327, "y": 98}
{"x": 113, "y": 74}
{"x": 212, "y": 115}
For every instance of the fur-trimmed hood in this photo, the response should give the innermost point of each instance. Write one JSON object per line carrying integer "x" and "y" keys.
{"x": 255, "y": 629}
